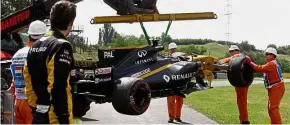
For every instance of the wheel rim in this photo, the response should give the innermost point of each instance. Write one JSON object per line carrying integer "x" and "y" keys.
{"x": 142, "y": 96}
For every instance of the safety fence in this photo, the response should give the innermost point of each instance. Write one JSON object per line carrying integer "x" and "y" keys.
{"x": 7, "y": 103}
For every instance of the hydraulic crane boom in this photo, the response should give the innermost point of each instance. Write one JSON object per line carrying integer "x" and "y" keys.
{"x": 153, "y": 17}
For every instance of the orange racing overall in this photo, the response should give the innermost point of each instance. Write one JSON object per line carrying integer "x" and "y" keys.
{"x": 275, "y": 85}
{"x": 242, "y": 94}
{"x": 174, "y": 104}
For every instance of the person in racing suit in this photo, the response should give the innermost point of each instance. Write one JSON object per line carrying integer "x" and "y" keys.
{"x": 274, "y": 83}
{"x": 175, "y": 102}
{"x": 22, "y": 111}
{"x": 241, "y": 92}
{"x": 48, "y": 67}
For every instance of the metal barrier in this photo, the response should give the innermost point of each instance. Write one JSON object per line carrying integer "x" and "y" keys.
{"x": 7, "y": 108}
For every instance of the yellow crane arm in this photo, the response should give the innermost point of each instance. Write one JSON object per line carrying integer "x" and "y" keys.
{"x": 153, "y": 17}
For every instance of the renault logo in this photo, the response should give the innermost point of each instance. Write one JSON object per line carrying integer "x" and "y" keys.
{"x": 142, "y": 53}
{"x": 166, "y": 78}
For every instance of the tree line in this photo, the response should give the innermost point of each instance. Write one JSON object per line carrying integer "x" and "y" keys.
{"x": 244, "y": 45}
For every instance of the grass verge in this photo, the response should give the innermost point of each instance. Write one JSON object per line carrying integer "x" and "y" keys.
{"x": 219, "y": 104}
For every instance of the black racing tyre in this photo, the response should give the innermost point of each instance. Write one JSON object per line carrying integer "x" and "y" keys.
{"x": 240, "y": 73}
{"x": 131, "y": 96}
{"x": 80, "y": 105}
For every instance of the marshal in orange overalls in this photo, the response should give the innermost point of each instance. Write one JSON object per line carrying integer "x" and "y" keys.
{"x": 175, "y": 102}
{"x": 22, "y": 111}
{"x": 275, "y": 86}
{"x": 242, "y": 96}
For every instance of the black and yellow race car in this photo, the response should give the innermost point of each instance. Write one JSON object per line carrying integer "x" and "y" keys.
{"x": 129, "y": 78}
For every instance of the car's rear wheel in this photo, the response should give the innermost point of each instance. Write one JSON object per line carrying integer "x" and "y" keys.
{"x": 131, "y": 96}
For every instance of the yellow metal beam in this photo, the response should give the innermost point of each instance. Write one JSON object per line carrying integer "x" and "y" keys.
{"x": 153, "y": 17}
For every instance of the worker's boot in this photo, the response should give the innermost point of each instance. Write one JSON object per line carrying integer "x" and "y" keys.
{"x": 245, "y": 122}
{"x": 178, "y": 120}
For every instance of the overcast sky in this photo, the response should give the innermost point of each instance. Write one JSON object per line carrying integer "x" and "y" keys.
{"x": 261, "y": 22}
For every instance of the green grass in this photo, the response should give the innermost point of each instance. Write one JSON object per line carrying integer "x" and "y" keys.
{"x": 287, "y": 57}
{"x": 219, "y": 104}
{"x": 86, "y": 55}
{"x": 79, "y": 55}
{"x": 214, "y": 49}
{"x": 218, "y": 51}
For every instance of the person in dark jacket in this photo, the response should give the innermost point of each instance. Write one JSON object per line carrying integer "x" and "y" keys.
{"x": 46, "y": 73}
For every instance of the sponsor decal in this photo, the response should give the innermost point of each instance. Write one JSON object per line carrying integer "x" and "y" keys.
{"x": 99, "y": 80}
{"x": 144, "y": 61}
{"x": 65, "y": 56}
{"x": 18, "y": 70}
{"x": 178, "y": 77}
{"x": 14, "y": 20}
{"x": 65, "y": 61}
{"x": 108, "y": 55}
{"x": 66, "y": 52}
{"x": 132, "y": 100}
{"x": 142, "y": 53}
{"x": 20, "y": 90}
{"x": 20, "y": 55}
{"x": 143, "y": 72}
{"x": 42, "y": 108}
{"x": 102, "y": 71}
{"x": 40, "y": 49}
{"x": 166, "y": 78}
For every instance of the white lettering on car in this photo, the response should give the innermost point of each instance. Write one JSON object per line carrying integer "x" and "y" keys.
{"x": 166, "y": 78}
{"x": 142, "y": 53}
{"x": 144, "y": 61}
{"x": 178, "y": 77}
{"x": 143, "y": 72}
{"x": 108, "y": 55}
{"x": 102, "y": 71}
{"x": 99, "y": 80}
{"x": 132, "y": 100}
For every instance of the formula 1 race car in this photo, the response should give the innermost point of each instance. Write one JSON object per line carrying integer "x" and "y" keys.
{"x": 130, "y": 78}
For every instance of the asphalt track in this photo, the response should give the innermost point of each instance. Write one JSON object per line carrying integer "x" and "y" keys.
{"x": 156, "y": 113}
